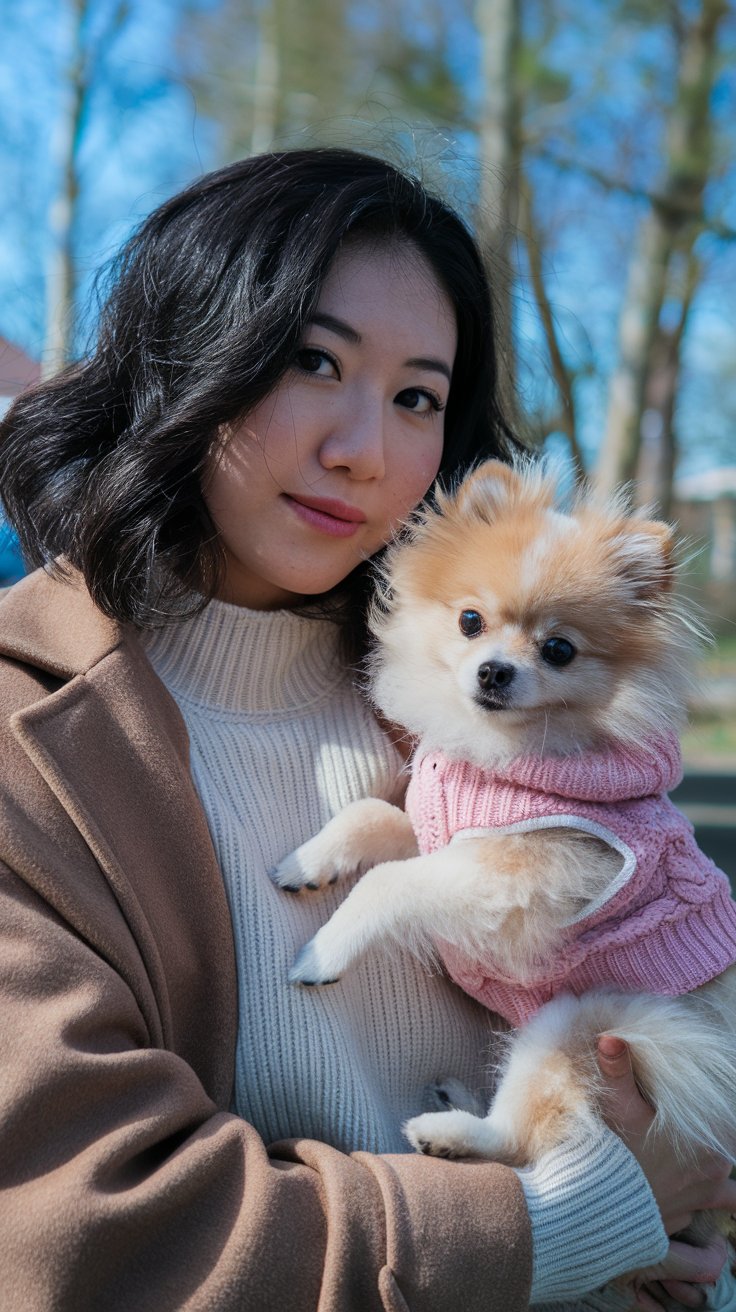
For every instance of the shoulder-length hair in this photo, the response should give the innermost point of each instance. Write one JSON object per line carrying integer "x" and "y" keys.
{"x": 102, "y": 466}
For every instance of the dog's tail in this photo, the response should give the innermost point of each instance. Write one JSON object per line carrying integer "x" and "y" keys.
{"x": 683, "y": 1052}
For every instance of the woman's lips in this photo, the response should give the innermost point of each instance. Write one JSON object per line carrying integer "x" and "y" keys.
{"x": 332, "y": 517}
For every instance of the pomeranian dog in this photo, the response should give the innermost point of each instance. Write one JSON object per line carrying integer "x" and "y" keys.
{"x": 540, "y": 660}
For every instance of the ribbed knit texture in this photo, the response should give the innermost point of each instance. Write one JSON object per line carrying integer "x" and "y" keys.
{"x": 666, "y": 926}
{"x": 613, "y": 1298}
{"x": 593, "y": 1260}
{"x": 720, "y": 1297}
{"x": 280, "y": 741}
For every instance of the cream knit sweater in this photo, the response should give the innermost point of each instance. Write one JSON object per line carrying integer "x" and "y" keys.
{"x": 280, "y": 741}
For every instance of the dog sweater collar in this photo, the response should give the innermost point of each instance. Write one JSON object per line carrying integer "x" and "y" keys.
{"x": 620, "y": 772}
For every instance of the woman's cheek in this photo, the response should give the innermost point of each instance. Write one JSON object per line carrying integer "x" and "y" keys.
{"x": 417, "y": 480}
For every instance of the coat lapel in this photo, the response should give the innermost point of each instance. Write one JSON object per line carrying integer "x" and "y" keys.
{"x": 112, "y": 747}
{"x": 51, "y": 623}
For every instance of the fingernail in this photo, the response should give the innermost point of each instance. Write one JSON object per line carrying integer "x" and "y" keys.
{"x": 610, "y": 1046}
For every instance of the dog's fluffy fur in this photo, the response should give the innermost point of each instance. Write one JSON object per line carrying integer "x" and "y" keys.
{"x": 500, "y": 547}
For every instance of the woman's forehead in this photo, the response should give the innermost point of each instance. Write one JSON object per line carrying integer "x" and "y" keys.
{"x": 373, "y": 287}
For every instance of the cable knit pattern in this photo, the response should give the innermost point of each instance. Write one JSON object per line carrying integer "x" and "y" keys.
{"x": 666, "y": 925}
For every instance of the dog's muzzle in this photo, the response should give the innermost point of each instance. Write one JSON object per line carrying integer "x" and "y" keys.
{"x": 494, "y": 680}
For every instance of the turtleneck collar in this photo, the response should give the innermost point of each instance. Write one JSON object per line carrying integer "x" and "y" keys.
{"x": 228, "y": 658}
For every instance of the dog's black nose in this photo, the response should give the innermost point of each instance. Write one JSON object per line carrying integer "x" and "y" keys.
{"x": 494, "y": 674}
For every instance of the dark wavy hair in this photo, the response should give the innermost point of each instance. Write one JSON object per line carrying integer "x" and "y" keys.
{"x": 102, "y": 466}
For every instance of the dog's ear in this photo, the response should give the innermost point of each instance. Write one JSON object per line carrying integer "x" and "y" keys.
{"x": 488, "y": 490}
{"x": 644, "y": 555}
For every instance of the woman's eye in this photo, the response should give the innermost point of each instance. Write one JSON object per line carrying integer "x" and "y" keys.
{"x": 419, "y": 401}
{"x": 314, "y": 361}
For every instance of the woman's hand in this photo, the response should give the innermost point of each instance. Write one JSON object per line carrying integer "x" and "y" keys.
{"x": 681, "y": 1275}
{"x": 679, "y": 1190}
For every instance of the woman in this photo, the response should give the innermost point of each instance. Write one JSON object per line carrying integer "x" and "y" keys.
{"x": 294, "y": 349}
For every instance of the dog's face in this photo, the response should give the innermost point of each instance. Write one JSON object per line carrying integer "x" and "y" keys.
{"x": 515, "y": 627}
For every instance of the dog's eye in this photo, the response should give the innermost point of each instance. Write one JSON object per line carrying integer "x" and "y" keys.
{"x": 557, "y": 651}
{"x": 471, "y": 623}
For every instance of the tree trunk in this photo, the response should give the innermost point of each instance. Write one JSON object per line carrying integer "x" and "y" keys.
{"x": 265, "y": 112}
{"x": 638, "y": 326}
{"x": 567, "y": 419}
{"x": 668, "y": 227}
{"x": 499, "y": 27}
{"x": 659, "y": 451}
{"x": 61, "y": 279}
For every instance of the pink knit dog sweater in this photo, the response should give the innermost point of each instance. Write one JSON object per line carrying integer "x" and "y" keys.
{"x": 667, "y": 922}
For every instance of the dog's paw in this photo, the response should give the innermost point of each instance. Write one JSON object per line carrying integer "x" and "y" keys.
{"x": 307, "y": 867}
{"x": 312, "y": 967}
{"x": 452, "y": 1095}
{"x": 450, "y": 1134}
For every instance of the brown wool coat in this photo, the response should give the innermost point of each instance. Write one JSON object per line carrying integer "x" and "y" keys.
{"x": 125, "y": 1182}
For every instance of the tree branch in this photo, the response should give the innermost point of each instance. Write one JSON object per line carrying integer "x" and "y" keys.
{"x": 674, "y": 209}
{"x": 560, "y": 372}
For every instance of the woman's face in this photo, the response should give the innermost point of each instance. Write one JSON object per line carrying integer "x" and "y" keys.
{"x": 315, "y": 478}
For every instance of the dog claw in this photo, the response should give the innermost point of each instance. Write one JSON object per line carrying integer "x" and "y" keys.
{"x": 306, "y": 968}
{"x": 425, "y": 1147}
{"x": 291, "y": 876}
{"x": 449, "y": 1094}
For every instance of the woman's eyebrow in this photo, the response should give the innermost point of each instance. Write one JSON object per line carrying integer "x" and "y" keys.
{"x": 335, "y": 326}
{"x": 428, "y": 362}
{"x": 352, "y": 335}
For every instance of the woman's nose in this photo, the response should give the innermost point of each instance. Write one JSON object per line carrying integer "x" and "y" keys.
{"x": 356, "y": 442}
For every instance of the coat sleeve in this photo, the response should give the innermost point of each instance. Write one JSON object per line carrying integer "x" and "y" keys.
{"x": 123, "y": 1187}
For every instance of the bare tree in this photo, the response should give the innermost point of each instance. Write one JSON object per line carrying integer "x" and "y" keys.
{"x": 271, "y": 68}
{"x": 266, "y": 88}
{"x": 499, "y": 141}
{"x": 277, "y": 66}
{"x": 659, "y": 451}
{"x": 566, "y": 418}
{"x": 61, "y": 288}
{"x": 667, "y": 228}
{"x": 61, "y": 280}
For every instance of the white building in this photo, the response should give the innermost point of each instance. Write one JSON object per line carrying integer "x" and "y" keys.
{"x": 710, "y": 499}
